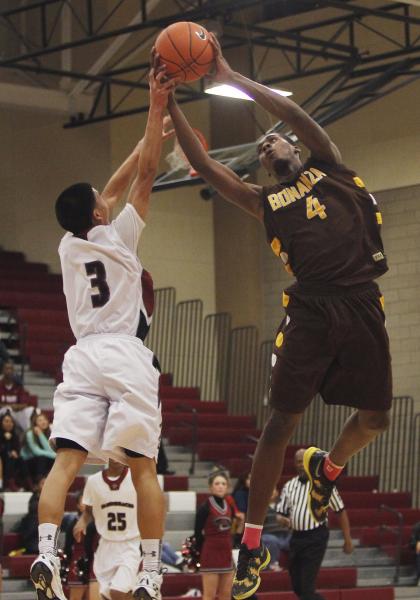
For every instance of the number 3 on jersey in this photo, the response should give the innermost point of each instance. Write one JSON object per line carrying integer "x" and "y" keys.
{"x": 314, "y": 208}
{"x": 97, "y": 269}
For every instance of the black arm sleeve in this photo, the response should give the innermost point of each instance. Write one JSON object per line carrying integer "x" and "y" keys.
{"x": 200, "y": 521}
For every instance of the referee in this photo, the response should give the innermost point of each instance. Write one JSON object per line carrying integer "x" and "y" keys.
{"x": 310, "y": 538}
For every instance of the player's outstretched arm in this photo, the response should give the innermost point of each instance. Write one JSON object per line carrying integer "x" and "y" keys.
{"x": 120, "y": 180}
{"x": 312, "y": 135}
{"x": 224, "y": 180}
{"x": 149, "y": 156}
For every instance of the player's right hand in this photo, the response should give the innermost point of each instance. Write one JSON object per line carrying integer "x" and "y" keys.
{"x": 79, "y": 530}
{"x": 223, "y": 73}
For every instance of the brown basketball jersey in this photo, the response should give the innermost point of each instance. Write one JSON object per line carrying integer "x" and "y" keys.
{"x": 325, "y": 226}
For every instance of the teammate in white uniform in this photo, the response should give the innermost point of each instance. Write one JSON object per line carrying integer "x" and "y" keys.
{"x": 108, "y": 403}
{"x": 110, "y": 500}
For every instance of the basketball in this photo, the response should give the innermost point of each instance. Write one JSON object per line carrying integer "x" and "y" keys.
{"x": 186, "y": 50}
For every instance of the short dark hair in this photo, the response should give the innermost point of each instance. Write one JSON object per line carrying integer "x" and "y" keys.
{"x": 74, "y": 207}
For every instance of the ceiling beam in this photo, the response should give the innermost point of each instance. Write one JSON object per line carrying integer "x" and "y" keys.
{"x": 212, "y": 9}
{"x": 52, "y": 101}
{"x": 112, "y": 49}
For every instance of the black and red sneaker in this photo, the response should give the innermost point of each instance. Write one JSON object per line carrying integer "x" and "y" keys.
{"x": 247, "y": 577}
{"x": 320, "y": 488}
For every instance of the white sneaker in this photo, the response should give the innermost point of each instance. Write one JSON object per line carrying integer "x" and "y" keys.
{"x": 148, "y": 586}
{"x": 45, "y": 575}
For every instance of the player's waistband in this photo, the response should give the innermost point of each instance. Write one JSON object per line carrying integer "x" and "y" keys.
{"x": 317, "y": 289}
{"x": 101, "y": 336}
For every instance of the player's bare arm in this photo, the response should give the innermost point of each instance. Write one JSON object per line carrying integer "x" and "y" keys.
{"x": 149, "y": 157}
{"x": 314, "y": 137}
{"x": 120, "y": 180}
{"x": 224, "y": 180}
{"x": 79, "y": 529}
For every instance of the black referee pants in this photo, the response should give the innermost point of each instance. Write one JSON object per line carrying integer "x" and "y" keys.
{"x": 307, "y": 549}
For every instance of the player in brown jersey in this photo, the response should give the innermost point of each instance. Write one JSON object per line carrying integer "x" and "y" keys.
{"x": 324, "y": 225}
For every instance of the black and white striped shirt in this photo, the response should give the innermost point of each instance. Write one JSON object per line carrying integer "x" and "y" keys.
{"x": 293, "y": 503}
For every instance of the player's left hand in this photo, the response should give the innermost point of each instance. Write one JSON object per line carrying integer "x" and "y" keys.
{"x": 348, "y": 547}
{"x": 159, "y": 83}
{"x": 223, "y": 72}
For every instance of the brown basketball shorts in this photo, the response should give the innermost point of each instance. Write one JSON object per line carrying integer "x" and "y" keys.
{"x": 333, "y": 343}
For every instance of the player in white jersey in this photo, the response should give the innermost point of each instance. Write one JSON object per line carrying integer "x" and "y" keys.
{"x": 110, "y": 500}
{"x": 108, "y": 402}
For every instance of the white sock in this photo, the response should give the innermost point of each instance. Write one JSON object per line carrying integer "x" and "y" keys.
{"x": 47, "y": 538}
{"x": 151, "y": 551}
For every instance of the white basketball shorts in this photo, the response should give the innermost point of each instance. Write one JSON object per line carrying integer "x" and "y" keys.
{"x": 108, "y": 400}
{"x": 116, "y": 565}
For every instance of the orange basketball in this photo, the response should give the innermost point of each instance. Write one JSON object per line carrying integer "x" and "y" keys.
{"x": 186, "y": 50}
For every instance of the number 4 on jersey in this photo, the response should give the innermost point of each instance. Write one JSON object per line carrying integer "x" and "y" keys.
{"x": 314, "y": 208}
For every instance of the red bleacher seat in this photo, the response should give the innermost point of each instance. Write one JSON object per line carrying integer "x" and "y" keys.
{"x": 368, "y": 500}
{"x": 371, "y": 517}
{"x": 18, "y": 566}
{"x": 173, "y": 404}
{"x": 11, "y": 541}
{"x": 350, "y": 483}
{"x": 385, "y": 593}
{"x": 40, "y": 316}
{"x": 179, "y": 392}
{"x": 175, "y": 483}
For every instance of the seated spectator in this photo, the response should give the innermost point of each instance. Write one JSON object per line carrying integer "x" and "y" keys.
{"x": 415, "y": 544}
{"x": 28, "y": 525}
{"x": 36, "y": 451}
{"x": 4, "y": 355}
{"x": 276, "y": 533}
{"x": 14, "y": 471}
{"x": 241, "y": 492}
{"x": 13, "y": 396}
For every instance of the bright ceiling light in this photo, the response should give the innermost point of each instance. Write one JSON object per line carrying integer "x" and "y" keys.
{"x": 232, "y": 92}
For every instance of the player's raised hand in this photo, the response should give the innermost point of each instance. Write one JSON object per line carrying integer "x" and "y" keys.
{"x": 159, "y": 83}
{"x": 222, "y": 70}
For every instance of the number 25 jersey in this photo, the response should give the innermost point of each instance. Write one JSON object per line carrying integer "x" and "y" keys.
{"x": 114, "y": 506}
{"x": 325, "y": 226}
{"x": 106, "y": 288}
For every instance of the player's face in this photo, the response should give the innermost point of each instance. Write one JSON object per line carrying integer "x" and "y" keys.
{"x": 278, "y": 157}
{"x": 219, "y": 487}
{"x": 8, "y": 370}
{"x": 7, "y": 424}
{"x": 299, "y": 462}
{"x": 101, "y": 210}
{"x": 42, "y": 422}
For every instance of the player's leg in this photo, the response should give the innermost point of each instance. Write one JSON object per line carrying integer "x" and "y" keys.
{"x": 77, "y": 593}
{"x": 224, "y": 589}
{"x": 301, "y": 356}
{"x": 117, "y": 595}
{"x": 210, "y": 583}
{"x": 359, "y": 377}
{"x": 151, "y": 520}
{"x": 45, "y": 570}
{"x": 362, "y": 427}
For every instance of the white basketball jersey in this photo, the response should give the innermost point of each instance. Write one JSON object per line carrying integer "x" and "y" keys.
{"x": 106, "y": 288}
{"x": 114, "y": 510}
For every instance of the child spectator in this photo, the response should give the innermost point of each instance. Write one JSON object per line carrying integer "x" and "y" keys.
{"x": 14, "y": 472}
{"x": 36, "y": 451}
{"x": 13, "y": 396}
{"x": 213, "y": 524}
